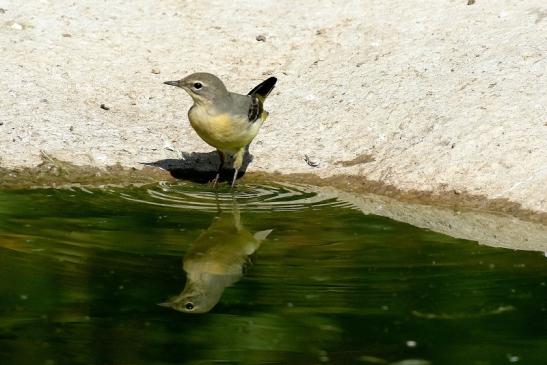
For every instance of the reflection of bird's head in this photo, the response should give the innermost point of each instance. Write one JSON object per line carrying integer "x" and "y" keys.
{"x": 194, "y": 299}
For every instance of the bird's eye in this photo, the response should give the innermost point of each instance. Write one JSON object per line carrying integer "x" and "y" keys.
{"x": 198, "y": 85}
{"x": 189, "y": 306}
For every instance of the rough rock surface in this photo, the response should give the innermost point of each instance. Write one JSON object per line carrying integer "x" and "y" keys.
{"x": 426, "y": 95}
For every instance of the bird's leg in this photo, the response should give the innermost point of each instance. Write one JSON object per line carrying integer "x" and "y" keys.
{"x": 220, "y": 166}
{"x": 238, "y": 161}
{"x": 234, "y": 178}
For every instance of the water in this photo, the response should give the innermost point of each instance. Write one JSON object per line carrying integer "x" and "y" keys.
{"x": 82, "y": 272}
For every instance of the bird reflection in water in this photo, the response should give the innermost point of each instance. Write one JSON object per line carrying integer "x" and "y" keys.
{"x": 216, "y": 260}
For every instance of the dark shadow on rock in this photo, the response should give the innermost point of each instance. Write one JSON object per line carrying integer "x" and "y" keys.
{"x": 201, "y": 167}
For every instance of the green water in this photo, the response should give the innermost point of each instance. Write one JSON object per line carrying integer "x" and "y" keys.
{"x": 82, "y": 272}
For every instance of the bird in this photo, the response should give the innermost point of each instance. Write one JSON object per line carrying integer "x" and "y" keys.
{"x": 225, "y": 120}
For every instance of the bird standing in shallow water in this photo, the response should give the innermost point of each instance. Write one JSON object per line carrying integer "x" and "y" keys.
{"x": 225, "y": 120}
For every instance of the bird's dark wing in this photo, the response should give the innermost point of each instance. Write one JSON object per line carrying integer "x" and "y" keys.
{"x": 258, "y": 94}
{"x": 255, "y": 109}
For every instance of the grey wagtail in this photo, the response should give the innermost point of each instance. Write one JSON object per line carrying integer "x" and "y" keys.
{"x": 225, "y": 120}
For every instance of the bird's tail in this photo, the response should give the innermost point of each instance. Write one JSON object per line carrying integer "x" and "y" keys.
{"x": 264, "y": 88}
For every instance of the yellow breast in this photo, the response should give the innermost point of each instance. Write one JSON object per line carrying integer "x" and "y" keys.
{"x": 222, "y": 131}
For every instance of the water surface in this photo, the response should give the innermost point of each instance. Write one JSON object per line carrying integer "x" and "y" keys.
{"x": 291, "y": 278}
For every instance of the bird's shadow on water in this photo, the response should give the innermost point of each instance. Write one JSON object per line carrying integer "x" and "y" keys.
{"x": 200, "y": 167}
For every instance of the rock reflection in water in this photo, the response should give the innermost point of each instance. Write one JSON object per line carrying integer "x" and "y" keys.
{"x": 216, "y": 260}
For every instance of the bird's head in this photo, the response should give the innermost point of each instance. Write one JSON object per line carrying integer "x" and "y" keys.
{"x": 202, "y": 87}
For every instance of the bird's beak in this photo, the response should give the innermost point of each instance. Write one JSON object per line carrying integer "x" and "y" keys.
{"x": 172, "y": 83}
{"x": 166, "y": 304}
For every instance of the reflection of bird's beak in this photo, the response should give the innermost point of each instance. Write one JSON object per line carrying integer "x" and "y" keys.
{"x": 172, "y": 83}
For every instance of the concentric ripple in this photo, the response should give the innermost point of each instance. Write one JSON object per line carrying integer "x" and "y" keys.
{"x": 255, "y": 198}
